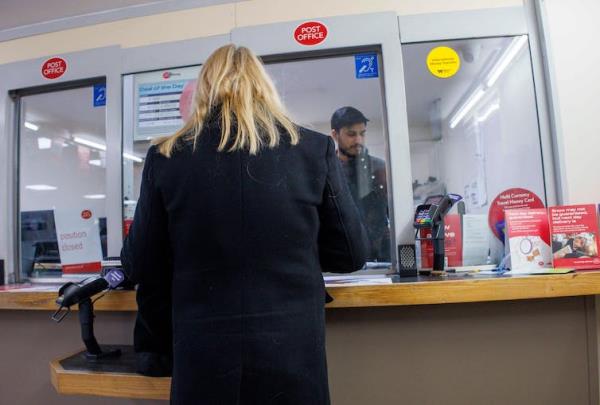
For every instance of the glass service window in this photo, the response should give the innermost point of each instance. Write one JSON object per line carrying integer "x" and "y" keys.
{"x": 474, "y": 133}
{"x": 312, "y": 90}
{"x": 62, "y": 180}
{"x": 332, "y": 96}
{"x": 154, "y": 104}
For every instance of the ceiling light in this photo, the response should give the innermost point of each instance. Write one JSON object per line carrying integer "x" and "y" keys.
{"x": 94, "y": 196}
{"x": 507, "y": 57}
{"x": 466, "y": 107}
{"x": 132, "y": 157}
{"x": 489, "y": 112}
{"x": 40, "y": 187}
{"x": 91, "y": 144}
{"x": 130, "y": 202}
{"x": 31, "y": 126}
{"x": 44, "y": 143}
{"x": 95, "y": 162}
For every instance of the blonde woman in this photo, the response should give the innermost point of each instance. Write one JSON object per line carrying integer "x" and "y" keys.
{"x": 239, "y": 212}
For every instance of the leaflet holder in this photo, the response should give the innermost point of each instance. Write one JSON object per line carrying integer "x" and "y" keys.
{"x": 430, "y": 215}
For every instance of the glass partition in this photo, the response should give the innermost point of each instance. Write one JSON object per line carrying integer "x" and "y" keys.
{"x": 334, "y": 96}
{"x": 473, "y": 129}
{"x": 62, "y": 182}
{"x": 312, "y": 89}
{"x": 154, "y": 104}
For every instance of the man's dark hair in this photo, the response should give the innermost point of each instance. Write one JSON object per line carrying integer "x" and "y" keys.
{"x": 346, "y": 117}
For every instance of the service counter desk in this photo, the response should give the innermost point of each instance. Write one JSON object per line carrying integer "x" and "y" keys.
{"x": 388, "y": 343}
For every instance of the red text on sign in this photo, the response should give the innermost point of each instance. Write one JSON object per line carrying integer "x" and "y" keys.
{"x": 310, "y": 33}
{"x": 54, "y": 68}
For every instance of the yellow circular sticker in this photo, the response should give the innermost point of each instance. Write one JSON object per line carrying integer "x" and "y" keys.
{"x": 443, "y": 62}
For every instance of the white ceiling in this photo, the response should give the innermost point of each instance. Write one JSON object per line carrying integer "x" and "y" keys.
{"x": 69, "y": 112}
{"x": 16, "y": 13}
{"x": 20, "y": 18}
{"x": 313, "y": 89}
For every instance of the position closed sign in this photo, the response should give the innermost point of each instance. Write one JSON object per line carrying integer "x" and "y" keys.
{"x": 310, "y": 33}
{"x": 54, "y": 68}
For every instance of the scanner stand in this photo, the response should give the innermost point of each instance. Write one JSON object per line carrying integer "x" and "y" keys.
{"x": 94, "y": 352}
{"x": 86, "y": 320}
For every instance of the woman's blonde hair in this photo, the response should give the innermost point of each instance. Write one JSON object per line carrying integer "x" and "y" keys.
{"x": 234, "y": 81}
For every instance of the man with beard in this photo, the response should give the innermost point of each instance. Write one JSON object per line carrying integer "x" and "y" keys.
{"x": 366, "y": 177}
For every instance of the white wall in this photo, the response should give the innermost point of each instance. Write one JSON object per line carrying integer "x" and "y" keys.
{"x": 572, "y": 35}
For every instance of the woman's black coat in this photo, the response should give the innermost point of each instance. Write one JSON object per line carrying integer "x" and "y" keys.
{"x": 231, "y": 247}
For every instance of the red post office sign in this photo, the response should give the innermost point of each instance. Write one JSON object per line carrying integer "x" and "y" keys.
{"x": 310, "y": 33}
{"x": 54, "y": 68}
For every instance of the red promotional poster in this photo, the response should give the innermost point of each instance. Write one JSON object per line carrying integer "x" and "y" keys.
{"x": 513, "y": 198}
{"x": 528, "y": 237}
{"x": 574, "y": 231}
{"x": 452, "y": 243}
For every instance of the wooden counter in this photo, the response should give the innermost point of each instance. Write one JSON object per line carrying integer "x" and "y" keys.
{"x": 421, "y": 291}
{"x": 74, "y": 376}
{"x": 114, "y": 378}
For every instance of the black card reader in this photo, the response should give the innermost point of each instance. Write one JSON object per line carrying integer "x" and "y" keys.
{"x": 430, "y": 215}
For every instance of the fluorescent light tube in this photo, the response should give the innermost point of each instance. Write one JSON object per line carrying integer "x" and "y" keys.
{"x": 31, "y": 126}
{"x": 95, "y": 162}
{"x": 489, "y": 112}
{"x": 507, "y": 57}
{"x": 101, "y": 146}
{"x": 91, "y": 144}
{"x": 132, "y": 157}
{"x": 44, "y": 143}
{"x": 94, "y": 196}
{"x": 466, "y": 107}
{"x": 40, "y": 187}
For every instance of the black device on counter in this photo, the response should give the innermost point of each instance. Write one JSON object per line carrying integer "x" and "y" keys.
{"x": 407, "y": 260}
{"x": 81, "y": 294}
{"x": 430, "y": 215}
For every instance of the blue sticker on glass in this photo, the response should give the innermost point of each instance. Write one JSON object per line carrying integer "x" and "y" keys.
{"x": 366, "y": 65}
{"x": 99, "y": 95}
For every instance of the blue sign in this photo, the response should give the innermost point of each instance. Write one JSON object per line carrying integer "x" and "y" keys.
{"x": 366, "y": 65}
{"x": 99, "y": 95}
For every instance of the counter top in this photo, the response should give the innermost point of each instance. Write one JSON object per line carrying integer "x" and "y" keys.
{"x": 405, "y": 291}
{"x": 110, "y": 378}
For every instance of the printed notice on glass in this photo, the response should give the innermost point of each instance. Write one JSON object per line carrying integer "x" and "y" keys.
{"x": 78, "y": 235}
{"x": 158, "y": 104}
{"x": 475, "y": 239}
{"x": 163, "y": 101}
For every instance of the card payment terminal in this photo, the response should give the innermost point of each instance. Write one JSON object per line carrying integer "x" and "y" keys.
{"x": 431, "y": 215}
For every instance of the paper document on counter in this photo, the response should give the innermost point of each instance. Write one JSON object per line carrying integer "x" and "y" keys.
{"x": 30, "y": 288}
{"x": 475, "y": 239}
{"x": 357, "y": 280}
